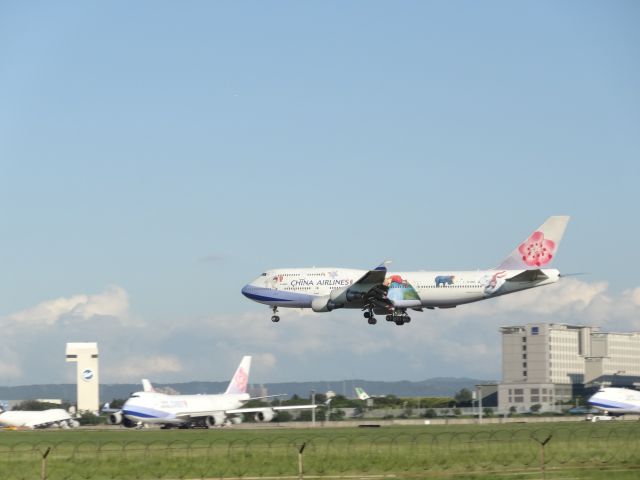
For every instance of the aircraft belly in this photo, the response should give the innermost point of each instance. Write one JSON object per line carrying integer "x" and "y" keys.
{"x": 450, "y": 298}
{"x": 280, "y": 298}
{"x": 407, "y": 303}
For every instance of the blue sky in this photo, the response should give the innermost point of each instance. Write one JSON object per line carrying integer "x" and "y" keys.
{"x": 156, "y": 156}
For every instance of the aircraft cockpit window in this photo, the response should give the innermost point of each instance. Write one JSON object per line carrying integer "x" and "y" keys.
{"x": 263, "y": 275}
{"x": 135, "y": 396}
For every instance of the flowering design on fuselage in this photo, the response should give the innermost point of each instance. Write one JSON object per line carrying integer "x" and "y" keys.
{"x": 400, "y": 289}
{"x": 537, "y": 250}
{"x": 493, "y": 281}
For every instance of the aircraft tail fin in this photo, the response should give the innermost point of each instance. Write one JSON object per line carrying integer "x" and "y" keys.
{"x": 238, "y": 383}
{"x": 147, "y": 386}
{"x": 539, "y": 248}
{"x": 362, "y": 395}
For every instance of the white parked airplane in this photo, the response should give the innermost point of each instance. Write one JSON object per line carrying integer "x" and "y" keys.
{"x": 616, "y": 400}
{"x": 54, "y": 417}
{"x": 151, "y": 407}
{"x": 392, "y": 294}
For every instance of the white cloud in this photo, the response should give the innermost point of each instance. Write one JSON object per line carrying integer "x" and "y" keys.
{"x": 10, "y": 370}
{"x": 113, "y": 302}
{"x": 267, "y": 361}
{"x": 133, "y": 368}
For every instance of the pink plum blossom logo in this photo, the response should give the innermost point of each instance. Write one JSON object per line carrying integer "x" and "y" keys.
{"x": 537, "y": 250}
{"x": 241, "y": 380}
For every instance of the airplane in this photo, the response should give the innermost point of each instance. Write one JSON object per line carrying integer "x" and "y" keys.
{"x": 54, "y": 417}
{"x": 187, "y": 411}
{"x": 616, "y": 401}
{"x": 379, "y": 292}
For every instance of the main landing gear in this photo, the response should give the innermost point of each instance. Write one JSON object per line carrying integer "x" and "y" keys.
{"x": 400, "y": 317}
{"x": 275, "y": 318}
{"x": 371, "y": 320}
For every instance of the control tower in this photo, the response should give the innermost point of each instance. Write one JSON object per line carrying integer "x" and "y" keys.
{"x": 86, "y": 356}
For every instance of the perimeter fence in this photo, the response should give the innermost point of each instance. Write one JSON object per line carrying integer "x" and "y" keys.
{"x": 424, "y": 454}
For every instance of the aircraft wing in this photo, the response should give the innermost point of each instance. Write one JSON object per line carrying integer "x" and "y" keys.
{"x": 528, "y": 276}
{"x": 261, "y": 409}
{"x": 367, "y": 289}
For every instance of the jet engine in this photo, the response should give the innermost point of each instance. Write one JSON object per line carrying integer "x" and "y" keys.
{"x": 264, "y": 415}
{"x": 354, "y": 296}
{"x": 214, "y": 421}
{"x": 115, "y": 418}
{"x": 323, "y": 304}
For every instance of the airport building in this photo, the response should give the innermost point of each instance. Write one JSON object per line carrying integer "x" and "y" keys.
{"x": 85, "y": 355}
{"x": 548, "y": 364}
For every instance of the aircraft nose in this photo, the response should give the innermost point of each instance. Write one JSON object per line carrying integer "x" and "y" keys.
{"x": 245, "y": 290}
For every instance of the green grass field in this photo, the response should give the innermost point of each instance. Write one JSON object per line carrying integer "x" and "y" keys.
{"x": 577, "y": 450}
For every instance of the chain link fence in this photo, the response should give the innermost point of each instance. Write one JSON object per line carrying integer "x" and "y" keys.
{"x": 297, "y": 455}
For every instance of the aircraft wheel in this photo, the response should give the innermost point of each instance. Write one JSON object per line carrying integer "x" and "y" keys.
{"x": 407, "y": 319}
{"x": 372, "y": 321}
{"x": 399, "y": 321}
{"x": 275, "y": 319}
{"x": 367, "y": 314}
{"x": 389, "y": 318}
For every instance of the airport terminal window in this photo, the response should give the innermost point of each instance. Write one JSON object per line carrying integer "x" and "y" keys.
{"x": 524, "y": 374}
{"x": 519, "y": 399}
{"x": 535, "y": 391}
{"x": 535, "y": 399}
{"x": 524, "y": 339}
{"x": 518, "y": 391}
{"x": 524, "y": 356}
{"x": 524, "y": 364}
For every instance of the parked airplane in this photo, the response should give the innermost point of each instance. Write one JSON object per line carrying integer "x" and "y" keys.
{"x": 392, "y": 294}
{"x": 185, "y": 411}
{"x": 54, "y": 417}
{"x": 615, "y": 400}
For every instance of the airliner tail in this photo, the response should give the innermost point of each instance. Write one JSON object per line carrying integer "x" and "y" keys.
{"x": 540, "y": 248}
{"x": 238, "y": 383}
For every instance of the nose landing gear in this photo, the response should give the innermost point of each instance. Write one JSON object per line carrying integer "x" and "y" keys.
{"x": 275, "y": 318}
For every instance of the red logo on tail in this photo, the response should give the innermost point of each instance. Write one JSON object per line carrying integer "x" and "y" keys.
{"x": 537, "y": 250}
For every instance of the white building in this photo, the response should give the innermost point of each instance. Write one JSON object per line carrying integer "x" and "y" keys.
{"x": 546, "y": 364}
{"x": 86, "y": 357}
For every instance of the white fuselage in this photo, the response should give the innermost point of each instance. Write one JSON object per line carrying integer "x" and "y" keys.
{"x": 159, "y": 408}
{"x": 297, "y": 287}
{"x": 37, "y": 419}
{"x": 616, "y": 400}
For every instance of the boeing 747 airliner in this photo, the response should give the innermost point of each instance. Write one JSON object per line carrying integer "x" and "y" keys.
{"x": 185, "y": 411}
{"x": 378, "y": 292}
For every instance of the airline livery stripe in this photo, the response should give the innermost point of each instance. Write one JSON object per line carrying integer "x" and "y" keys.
{"x": 138, "y": 414}
{"x": 618, "y": 406}
{"x": 264, "y": 298}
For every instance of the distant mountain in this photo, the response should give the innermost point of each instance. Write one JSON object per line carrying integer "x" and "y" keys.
{"x": 434, "y": 387}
